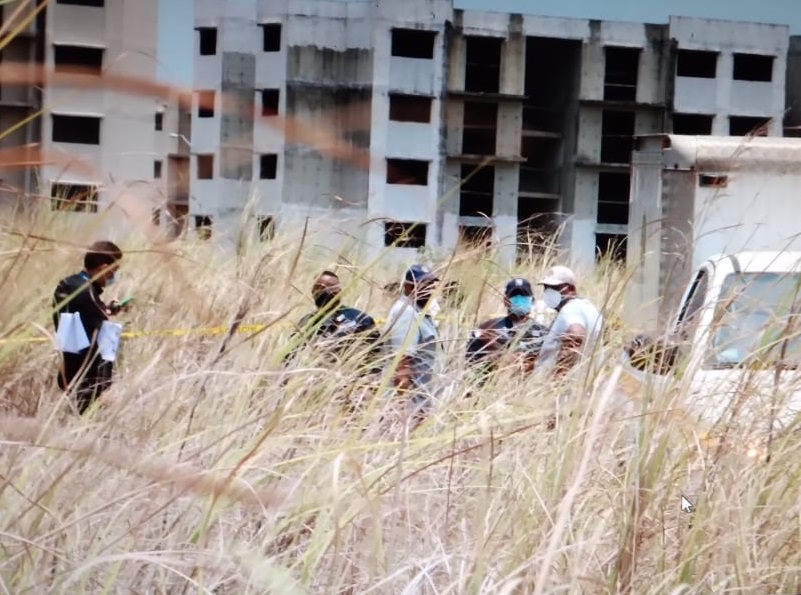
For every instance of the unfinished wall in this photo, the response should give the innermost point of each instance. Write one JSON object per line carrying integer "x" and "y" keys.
{"x": 626, "y": 91}
{"x": 405, "y": 206}
{"x": 111, "y": 132}
{"x": 473, "y": 120}
{"x": 17, "y": 103}
{"x": 329, "y": 91}
{"x": 236, "y": 124}
{"x": 731, "y": 71}
{"x": 484, "y": 119}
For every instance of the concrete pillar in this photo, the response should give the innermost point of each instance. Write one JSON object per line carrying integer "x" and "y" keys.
{"x": 513, "y": 58}
{"x": 593, "y": 64}
{"x": 581, "y": 233}
{"x": 510, "y": 128}
{"x": 454, "y": 121}
{"x": 457, "y": 58}
{"x": 507, "y": 182}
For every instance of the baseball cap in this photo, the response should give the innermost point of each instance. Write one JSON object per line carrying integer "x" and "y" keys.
{"x": 559, "y": 275}
{"x": 518, "y": 286}
{"x": 418, "y": 273}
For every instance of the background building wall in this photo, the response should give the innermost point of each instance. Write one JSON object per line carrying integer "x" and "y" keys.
{"x": 111, "y": 133}
{"x": 528, "y": 126}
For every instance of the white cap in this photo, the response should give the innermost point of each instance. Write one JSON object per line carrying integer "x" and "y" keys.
{"x": 559, "y": 275}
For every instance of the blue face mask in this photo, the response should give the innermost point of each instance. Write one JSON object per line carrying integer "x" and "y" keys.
{"x": 520, "y": 305}
{"x": 113, "y": 279}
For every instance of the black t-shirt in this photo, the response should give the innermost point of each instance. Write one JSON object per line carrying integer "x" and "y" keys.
{"x": 337, "y": 332}
{"x": 525, "y": 337}
{"x": 76, "y": 294}
{"x": 340, "y": 323}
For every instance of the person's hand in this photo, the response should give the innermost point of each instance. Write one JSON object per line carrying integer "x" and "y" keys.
{"x": 115, "y": 306}
{"x": 402, "y": 379}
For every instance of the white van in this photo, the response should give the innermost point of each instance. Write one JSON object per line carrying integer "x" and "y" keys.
{"x": 730, "y": 359}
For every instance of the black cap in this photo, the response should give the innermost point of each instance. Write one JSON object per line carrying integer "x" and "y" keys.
{"x": 419, "y": 273}
{"x": 518, "y": 286}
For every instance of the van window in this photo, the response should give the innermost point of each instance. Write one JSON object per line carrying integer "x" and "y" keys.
{"x": 757, "y": 320}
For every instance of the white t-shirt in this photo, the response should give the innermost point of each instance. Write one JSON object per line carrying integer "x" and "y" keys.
{"x": 415, "y": 335}
{"x": 576, "y": 311}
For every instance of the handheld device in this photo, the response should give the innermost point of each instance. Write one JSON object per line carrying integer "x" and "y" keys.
{"x": 125, "y": 301}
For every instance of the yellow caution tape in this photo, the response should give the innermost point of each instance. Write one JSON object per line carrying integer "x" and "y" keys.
{"x": 200, "y": 331}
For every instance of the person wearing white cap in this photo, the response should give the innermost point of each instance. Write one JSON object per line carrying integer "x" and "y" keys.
{"x": 578, "y": 323}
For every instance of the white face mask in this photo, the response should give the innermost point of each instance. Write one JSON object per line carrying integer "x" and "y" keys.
{"x": 551, "y": 297}
{"x": 113, "y": 279}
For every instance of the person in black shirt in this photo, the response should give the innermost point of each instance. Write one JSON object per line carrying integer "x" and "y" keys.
{"x": 86, "y": 372}
{"x": 514, "y": 332}
{"x": 334, "y": 328}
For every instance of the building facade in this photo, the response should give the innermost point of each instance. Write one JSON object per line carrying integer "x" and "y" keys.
{"x": 103, "y": 144}
{"x": 413, "y": 124}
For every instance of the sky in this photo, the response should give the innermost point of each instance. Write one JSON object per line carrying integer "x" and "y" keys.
{"x": 176, "y": 19}
{"x": 176, "y": 40}
{"x": 782, "y": 12}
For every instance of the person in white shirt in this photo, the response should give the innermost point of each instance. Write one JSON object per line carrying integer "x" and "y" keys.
{"x": 411, "y": 332}
{"x": 577, "y": 326}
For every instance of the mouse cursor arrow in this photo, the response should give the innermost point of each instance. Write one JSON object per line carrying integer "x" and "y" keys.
{"x": 686, "y": 505}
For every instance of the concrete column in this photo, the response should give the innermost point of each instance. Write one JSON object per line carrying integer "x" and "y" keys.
{"x": 507, "y": 182}
{"x": 723, "y": 107}
{"x": 510, "y": 128}
{"x": 457, "y": 57}
{"x": 454, "y": 115}
{"x": 593, "y": 64}
{"x": 513, "y": 58}
{"x": 450, "y": 205}
{"x": 580, "y": 236}
{"x": 588, "y": 148}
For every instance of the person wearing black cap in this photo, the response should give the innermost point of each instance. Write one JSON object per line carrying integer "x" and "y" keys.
{"x": 514, "y": 332}
{"x": 412, "y": 334}
{"x": 334, "y": 327}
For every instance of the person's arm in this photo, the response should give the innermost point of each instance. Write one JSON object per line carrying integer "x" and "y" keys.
{"x": 531, "y": 345}
{"x": 370, "y": 333}
{"x": 364, "y": 323}
{"x": 403, "y": 336}
{"x": 484, "y": 342}
{"x": 572, "y": 342}
{"x": 475, "y": 346}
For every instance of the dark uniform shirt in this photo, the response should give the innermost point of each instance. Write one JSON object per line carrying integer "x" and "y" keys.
{"x": 337, "y": 332}
{"x": 75, "y": 294}
{"x": 525, "y": 338}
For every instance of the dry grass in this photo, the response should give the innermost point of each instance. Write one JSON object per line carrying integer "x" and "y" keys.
{"x": 210, "y": 469}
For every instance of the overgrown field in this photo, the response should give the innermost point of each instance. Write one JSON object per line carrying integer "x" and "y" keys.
{"x": 210, "y": 469}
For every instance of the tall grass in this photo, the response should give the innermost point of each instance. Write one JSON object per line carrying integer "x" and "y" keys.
{"x": 211, "y": 468}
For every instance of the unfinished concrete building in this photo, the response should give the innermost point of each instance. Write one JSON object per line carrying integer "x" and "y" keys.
{"x": 20, "y": 103}
{"x": 480, "y": 126}
{"x": 112, "y": 142}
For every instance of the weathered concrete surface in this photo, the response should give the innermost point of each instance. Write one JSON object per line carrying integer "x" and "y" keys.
{"x": 335, "y": 71}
